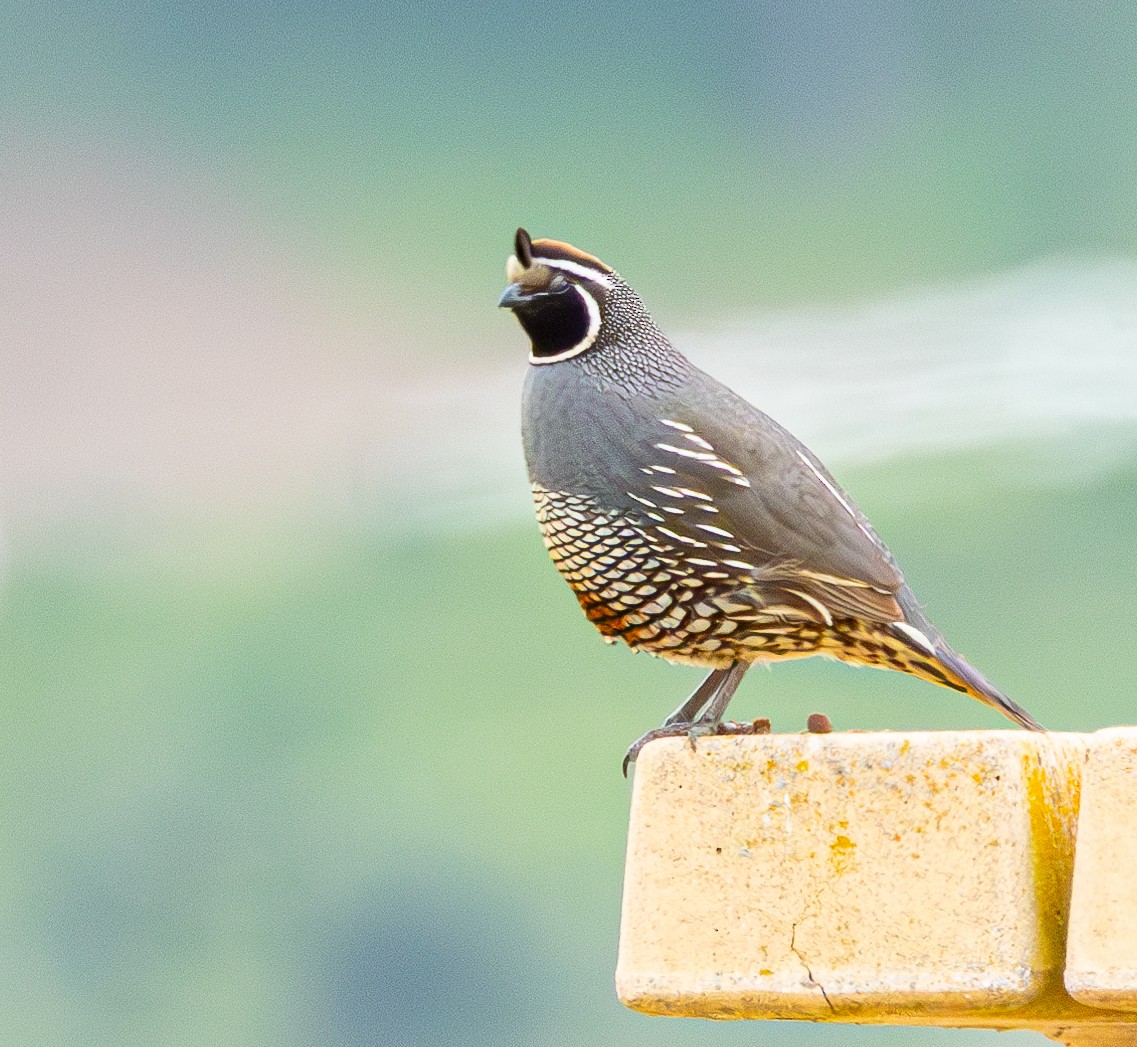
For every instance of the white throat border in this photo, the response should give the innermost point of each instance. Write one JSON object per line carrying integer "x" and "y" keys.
{"x": 593, "y": 308}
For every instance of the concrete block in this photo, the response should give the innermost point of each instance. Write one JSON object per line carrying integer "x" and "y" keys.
{"x": 914, "y": 878}
{"x": 1101, "y": 959}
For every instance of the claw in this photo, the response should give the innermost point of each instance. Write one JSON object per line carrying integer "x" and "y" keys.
{"x": 712, "y": 697}
{"x": 668, "y": 730}
{"x": 698, "y": 729}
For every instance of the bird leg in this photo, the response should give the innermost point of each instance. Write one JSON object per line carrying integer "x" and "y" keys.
{"x": 715, "y": 693}
{"x": 699, "y": 697}
{"x": 712, "y": 715}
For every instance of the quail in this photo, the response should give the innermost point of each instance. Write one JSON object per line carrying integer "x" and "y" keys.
{"x": 687, "y": 522}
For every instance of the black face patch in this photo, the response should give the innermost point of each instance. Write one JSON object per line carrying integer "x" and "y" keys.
{"x": 556, "y": 320}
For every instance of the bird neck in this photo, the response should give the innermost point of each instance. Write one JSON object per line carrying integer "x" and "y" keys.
{"x": 631, "y": 354}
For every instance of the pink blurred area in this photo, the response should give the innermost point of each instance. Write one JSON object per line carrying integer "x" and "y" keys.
{"x": 168, "y": 351}
{"x": 159, "y": 349}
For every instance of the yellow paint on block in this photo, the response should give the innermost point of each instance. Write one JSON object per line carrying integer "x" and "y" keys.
{"x": 1101, "y": 960}
{"x": 874, "y": 878}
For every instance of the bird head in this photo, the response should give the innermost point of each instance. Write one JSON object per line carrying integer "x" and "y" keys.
{"x": 557, "y": 294}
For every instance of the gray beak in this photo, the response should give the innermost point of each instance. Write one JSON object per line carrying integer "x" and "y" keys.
{"x": 512, "y": 297}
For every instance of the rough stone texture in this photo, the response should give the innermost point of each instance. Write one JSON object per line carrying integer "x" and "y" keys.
{"x": 1101, "y": 948}
{"x": 874, "y": 878}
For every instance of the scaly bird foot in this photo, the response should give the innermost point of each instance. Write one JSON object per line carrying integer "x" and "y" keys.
{"x": 693, "y": 730}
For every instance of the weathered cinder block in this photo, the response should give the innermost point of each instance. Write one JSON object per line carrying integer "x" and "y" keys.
{"x": 1101, "y": 959}
{"x": 879, "y": 878}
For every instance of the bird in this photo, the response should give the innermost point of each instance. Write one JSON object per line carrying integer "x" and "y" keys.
{"x": 687, "y": 522}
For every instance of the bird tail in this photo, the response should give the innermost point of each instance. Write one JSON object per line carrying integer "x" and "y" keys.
{"x": 964, "y": 676}
{"x": 919, "y": 651}
{"x": 923, "y": 639}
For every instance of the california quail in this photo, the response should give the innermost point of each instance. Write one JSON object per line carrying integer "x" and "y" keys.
{"x": 688, "y": 523}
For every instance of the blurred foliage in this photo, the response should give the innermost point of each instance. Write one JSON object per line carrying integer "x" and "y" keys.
{"x": 325, "y": 785}
{"x": 316, "y": 781}
{"x": 729, "y": 154}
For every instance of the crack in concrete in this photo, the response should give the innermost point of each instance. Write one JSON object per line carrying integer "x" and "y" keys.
{"x": 808, "y": 972}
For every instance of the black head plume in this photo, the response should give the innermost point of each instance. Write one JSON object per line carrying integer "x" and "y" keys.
{"x": 523, "y": 248}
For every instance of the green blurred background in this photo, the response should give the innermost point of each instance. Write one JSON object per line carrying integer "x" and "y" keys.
{"x": 303, "y": 740}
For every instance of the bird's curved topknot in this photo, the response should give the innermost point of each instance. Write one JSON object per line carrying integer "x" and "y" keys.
{"x": 523, "y": 248}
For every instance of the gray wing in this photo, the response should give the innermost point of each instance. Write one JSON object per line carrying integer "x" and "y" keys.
{"x": 740, "y": 483}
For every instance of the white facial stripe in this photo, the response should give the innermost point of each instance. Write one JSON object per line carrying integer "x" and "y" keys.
{"x": 584, "y": 343}
{"x": 595, "y": 275}
{"x": 513, "y": 269}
